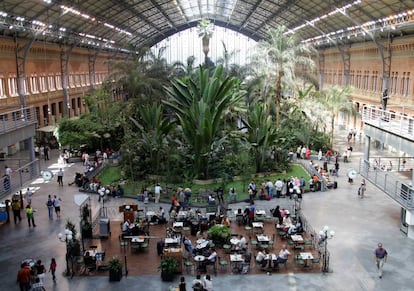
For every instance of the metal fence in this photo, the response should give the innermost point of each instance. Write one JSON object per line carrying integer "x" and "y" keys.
{"x": 11, "y": 120}
{"x": 18, "y": 178}
{"x": 389, "y": 182}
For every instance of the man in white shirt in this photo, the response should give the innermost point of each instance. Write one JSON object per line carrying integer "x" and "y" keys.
{"x": 7, "y": 171}
{"x": 28, "y": 196}
{"x": 157, "y": 191}
{"x": 279, "y": 186}
{"x": 242, "y": 244}
{"x": 270, "y": 188}
{"x": 125, "y": 227}
{"x": 261, "y": 258}
{"x": 282, "y": 257}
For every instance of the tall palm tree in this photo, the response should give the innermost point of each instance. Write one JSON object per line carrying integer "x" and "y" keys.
{"x": 334, "y": 100}
{"x": 280, "y": 55}
{"x": 205, "y": 31}
{"x": 199, "y": 106}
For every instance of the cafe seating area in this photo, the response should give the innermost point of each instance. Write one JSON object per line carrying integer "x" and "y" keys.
{"x": 142, "y": 252}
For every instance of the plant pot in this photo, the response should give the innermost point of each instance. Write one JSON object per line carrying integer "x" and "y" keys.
{"x": 167, "y": 277}
{"x": 87, "y": 232}
{"x": 115, "y": 275}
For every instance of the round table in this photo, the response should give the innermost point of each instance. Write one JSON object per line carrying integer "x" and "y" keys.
{"x": 199, "y": 259}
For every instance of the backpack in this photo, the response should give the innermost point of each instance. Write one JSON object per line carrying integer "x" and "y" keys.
{"x": 49, "y": 202}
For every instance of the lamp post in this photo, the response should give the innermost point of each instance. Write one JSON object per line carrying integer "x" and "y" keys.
{"x": 66, "y": 238}
{"x": 324, "y": 235}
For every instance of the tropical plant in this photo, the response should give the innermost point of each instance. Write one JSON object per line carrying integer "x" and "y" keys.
{"x": 168, "y": 265}
{"x": 153, "y": 130}
{"x": 260, "y": 133}
{"x": 280, "y": 55}
{"x": 334, "y": 100}
{"x": 219, "y": 234}
{"x": 199, "y": 107}
{"x": 115, "y": 265}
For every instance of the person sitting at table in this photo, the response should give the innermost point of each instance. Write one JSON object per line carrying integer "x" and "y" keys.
{"x": 282, "y": 257}
{"x": 125, "y": 228}
{"x": 225, "y": 221}
{"x": 211, "y": 259}
{"x": 188, "y": 245}
{"x": 246, "y": 262}
{"x": 261, "y": 258}
{"x": 297, "y": 228}
{"x": 211, "y": 200}
{"x": 246, "y": 214}
{"x": 242, "y": 243}
{"x": 197, "y": 282}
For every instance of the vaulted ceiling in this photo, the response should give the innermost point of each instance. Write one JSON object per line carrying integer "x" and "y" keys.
{"x": 131, "y": 24}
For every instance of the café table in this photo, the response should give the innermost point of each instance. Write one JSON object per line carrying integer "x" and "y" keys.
{"x": 257, "y": 227}
{"x": 150, "y": 214}
{"x": 306, "y": 257}
{"x": 170, "y": 242}
{"x": 297, "y": 238}
{"x": 178, "y": 224}
{"x": 201, "y": 244}
{"x": 199, "y": 259}
{"x": 182, "y": 215}
{"x": 261, "y": 238}
{"x": 236, "y": 260}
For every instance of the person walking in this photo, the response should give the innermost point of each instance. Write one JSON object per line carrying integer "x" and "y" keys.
{"x": 182, "y": 285}
{"x": 30, "y": 215}
{"x": 52, "y": 269}
{"x": 380, "y": 257}
{"x": 49, "y": 204}
{"x": 362, "y": 189}
{"x": 16, "y": 207}
{"x": 56, "y": 204}
{"x": 60, "y": 177}
{"x": 157, "y": 191}
{"x": 28, "y": 196}
{"x": 23, "y": 277}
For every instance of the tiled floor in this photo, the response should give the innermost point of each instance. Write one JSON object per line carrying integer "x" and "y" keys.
{"x": 359, "y": 225}
{"x": 145, "y": 262}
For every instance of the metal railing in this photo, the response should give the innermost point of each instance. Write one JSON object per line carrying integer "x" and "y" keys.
{"x": 11, "y": 120}
{"x": 389, "y": 182}
{"x": 397, "y": 123}
{"x": 18, "y": 178}
{"x": 312, "y": 171}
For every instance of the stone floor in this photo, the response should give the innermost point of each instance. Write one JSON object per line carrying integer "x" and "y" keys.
{"x": 359, "y": 225}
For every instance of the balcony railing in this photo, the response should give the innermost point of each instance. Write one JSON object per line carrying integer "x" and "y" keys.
{"x": 18, "y": 118}
{"x": 396, "y": 123}
{"x": 391, "y": 182}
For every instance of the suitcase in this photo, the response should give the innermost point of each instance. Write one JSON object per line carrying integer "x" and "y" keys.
{"x": 267, "y": 197}
{"x": 335, "y": 184}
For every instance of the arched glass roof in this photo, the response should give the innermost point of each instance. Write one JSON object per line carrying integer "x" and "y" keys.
{"x": 126, "y": 24}
{"x": 184, "y": 44}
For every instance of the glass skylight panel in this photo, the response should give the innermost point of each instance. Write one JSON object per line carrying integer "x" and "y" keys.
{"x": 204, "y": 8}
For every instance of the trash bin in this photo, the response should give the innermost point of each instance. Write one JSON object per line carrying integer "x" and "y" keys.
{"x": 104, "y": 227}
{"x": 3, "y": 212}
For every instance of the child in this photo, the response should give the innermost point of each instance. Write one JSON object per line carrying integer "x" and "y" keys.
{"x": 52, "y": 269}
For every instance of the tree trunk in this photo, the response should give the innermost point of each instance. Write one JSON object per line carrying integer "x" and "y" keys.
{"x": 278, "y": 97}
{"x": 206, "y": 45}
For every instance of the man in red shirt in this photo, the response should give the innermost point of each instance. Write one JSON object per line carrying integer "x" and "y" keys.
{"x": 328, "y": 156}
{"x": 23, "y": 277}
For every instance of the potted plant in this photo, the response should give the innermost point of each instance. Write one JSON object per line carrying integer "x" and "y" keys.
{"x": 220, "y": 235}
{"x": 86, "y": 230}
{"x": 168, "y": 267}
{"x": 115, "y": 269}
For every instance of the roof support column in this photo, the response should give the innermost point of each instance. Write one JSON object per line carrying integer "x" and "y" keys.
{"x": 21, "y": 56}
{"x": 64, "y": 67}
{"x": 321, "y": 61}
{"x": 346, "y": 61}
{"x": 92, "y": 60}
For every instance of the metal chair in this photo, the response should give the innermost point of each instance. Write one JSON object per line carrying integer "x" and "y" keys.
{"x": 223, "y": 263}
{"x": 123, "y": 244}
{"x": 189, "y": 266}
